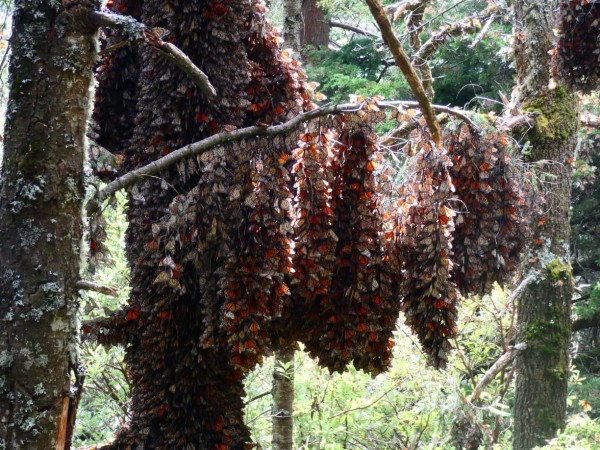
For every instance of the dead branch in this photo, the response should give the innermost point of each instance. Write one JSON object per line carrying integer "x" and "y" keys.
{"x": 91, "y": 286}
{"x": 483, "y": 32}
{"x": 448, "y": 32}
{"x": 345, "y": 26}
{"x": 398, "y": 9}
{"x": 589, "y": 120}
{"x": 496, "y": 368}
{"x": 460, "y": 113}
{"x": 135, "y": 30}
{"x": 403, "y": 63}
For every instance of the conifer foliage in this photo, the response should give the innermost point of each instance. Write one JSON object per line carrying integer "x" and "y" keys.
{"x": 269, "y": 241}
{"x": 578, "y": 53}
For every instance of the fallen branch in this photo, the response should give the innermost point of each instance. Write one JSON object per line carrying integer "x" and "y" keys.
{"x": 225, "y": 137}
{"x": 403, "y": 63}
{"x": 94, "y": 287}
{"x": 135, "y": 30}
{"x": 496, "y": 368}
{"x": 344, "y": 26}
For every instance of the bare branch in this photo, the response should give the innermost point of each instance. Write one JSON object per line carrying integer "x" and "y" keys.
{"x": 446, "y": 33}
{"x": 225, "y": 137}
{"x": 398, "y": 9}
{"x": 91, "y": 286}
{"x": 496, "y": 368}
{"x": 344, "y": 26}
{"x": 590, "y": 120}
{"x": 460, "y": 113}
{"x": 137, "y": 31}
{"x": 403, "y": 63}
{"x": 256, "y": 397}
{"x": 483, "y": 32}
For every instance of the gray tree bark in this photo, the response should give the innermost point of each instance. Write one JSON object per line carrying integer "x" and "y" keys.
{"x": 292, "y": 24}
{"x": 544, "y": 320}
{"x": 41, "y": 199}
{"x": 283, "y": 399}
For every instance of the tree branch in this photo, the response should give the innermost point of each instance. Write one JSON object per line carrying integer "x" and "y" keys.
{"x": 585, "y": 323}
{"x": 344, "y": 26}
{"x": 496, "y": 368}
{"x": 467, "y": 25}
{"x": 590, "y": 120}
{"x": 403, "y": 63}
{"x": 135, "y": 30}
{"x": 91, "y": 286}
{"x": 225, "y": 137}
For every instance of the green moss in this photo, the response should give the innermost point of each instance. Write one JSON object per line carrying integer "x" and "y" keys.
{"x": 554, "y": 115}
{"x": 543, "y": 337}
{"x": 559, "y": 270}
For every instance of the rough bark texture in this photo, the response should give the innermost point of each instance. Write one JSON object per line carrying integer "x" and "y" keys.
{"x": 283, "y": 399}
{"x": 292, "y": 24}
{"x": 544, "y": 309}
{"x": 414, "y": 24}
{"x": 41, "y": 220}
{"x": 315, "y": 29}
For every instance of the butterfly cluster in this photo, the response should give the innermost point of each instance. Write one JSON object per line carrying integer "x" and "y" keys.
{"x": 491, "y": 227}
{"x": 265, "y": 242}
{"x": 577, "y": 56}
{"x": 345, "y": 314}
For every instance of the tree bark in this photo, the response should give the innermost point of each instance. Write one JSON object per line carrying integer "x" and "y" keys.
{"x": 544, "y": 320}
{"x": 41, "y": 199}
{"x": 283, "y": 399}
{"x": 292, "y": 24}
{"x": 315, "y": 29}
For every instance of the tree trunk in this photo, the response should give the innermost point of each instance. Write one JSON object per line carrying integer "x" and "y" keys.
{"x": 283, "y": 399}
{"x": 292, "y": 24}
{"x": 315, "y": 31}
{"x": 544, "y": 310}
{"x": 41, "y": 200}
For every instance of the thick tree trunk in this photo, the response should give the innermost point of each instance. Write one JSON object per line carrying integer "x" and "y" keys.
{"x": 544, "y": 309}
{"x": 292, "y": 24}
{"x": 283, "y": 399}
{"x": 41, "y": 220}
{"x": 315, "y": 30}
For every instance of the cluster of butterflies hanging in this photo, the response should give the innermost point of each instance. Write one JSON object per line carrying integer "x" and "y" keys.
{"x": 305, "y": 237}
{"x": 577, "y": 55}
{"x": 310, "y": 248}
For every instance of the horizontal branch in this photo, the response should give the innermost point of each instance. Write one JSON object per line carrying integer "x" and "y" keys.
{"x": 91, "y": 286}
{"x": 590, "y": 120}
{"x": 345, "y": 26}
{"x": 461, "y": 114}
{"x": 135, "y": 30}
{"x": 225, "y": 137}
{"x": 585, "y": 323}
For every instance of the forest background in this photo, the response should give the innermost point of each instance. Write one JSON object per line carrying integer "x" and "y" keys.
{"x": 411, "y": 406}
